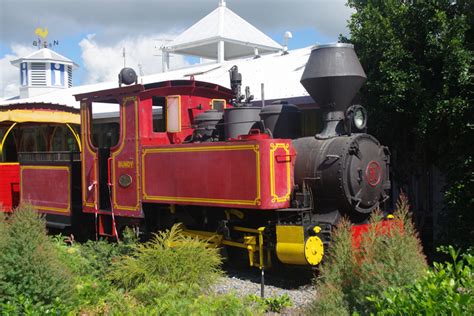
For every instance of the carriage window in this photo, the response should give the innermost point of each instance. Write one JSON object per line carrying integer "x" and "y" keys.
{"x": 63, "y": 139}
{"x": 105, "y": 124}
{"x": 158, "y": 109}
{"x": 10, "y": 148}
{"x": 173, "y": 114}
{"x": 218, "y": 104}
{"x": 33, "y": 139}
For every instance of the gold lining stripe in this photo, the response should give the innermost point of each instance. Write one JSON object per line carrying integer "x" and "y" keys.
{"x": 190, "y": 199}
{"x": 218, "y": 100}
{"x": 5, "y": 138}
{"x": 85, "y": 144}
{"x": 275, "y": 197}
{"x": 123, "y": 130}
{"x": 198, "y": 149}
{"x": 76, "y": 136}
{"x": 179, "y": 113}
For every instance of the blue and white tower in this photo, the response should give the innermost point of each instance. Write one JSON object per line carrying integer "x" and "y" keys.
{"x": 44, "y": 71}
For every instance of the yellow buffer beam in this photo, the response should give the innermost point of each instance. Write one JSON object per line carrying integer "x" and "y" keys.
{"x": 294, "y": 248}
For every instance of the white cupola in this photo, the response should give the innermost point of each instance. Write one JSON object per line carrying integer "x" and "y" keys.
{"x": 44, "y": 71}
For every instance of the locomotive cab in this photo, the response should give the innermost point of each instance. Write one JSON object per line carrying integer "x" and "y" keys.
{"x": 158, "y": 114}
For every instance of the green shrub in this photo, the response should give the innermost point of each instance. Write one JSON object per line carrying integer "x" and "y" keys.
{"x": 91, "y": 262}
{"x": 186, "y": 299}
{"x": 274, "y": 304}
{"x": 94, "y": 257}
{"x": 31, "y": 274}
{"x": 169, "y": 275}
{"x": 3, "y": 230}
{"x": 448, "y": 289}
{"x": 169, "y": 258}
{"x": 350, "y": 275}
{"x": 156, "y": 298}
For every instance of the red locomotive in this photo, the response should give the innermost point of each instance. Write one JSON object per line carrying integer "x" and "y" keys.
{"x": 234, "y": 174}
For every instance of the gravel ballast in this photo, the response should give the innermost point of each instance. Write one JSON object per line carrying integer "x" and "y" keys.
{"x": 242, "y": 283}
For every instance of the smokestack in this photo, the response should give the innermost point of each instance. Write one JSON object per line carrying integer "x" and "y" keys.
{"x": 332, "y": 77}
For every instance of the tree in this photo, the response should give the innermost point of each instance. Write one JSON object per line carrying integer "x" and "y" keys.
{"x": 418, "y": 56}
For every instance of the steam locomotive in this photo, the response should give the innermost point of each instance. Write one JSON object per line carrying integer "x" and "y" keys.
{"x": 238, "y": 176}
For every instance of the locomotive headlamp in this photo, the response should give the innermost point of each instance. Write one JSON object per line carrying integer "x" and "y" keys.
{"x": 359, "y": 119}
{"x": 357, "y": 115}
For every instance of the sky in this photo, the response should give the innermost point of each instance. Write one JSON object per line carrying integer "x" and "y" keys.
{"x": 93, "y": 33}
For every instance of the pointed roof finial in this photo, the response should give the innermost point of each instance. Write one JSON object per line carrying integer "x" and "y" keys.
{"x": 222, "y": 3}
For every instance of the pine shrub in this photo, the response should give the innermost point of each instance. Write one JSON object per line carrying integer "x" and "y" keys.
{"x": 170, "y": 258}
{"x": 31, "y": 274}
{"x": 383, "y": 260}
{"x": 3, "y": 230}
{"x": 169, "y": 275}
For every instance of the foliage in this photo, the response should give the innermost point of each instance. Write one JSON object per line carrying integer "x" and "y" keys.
{"x": 168, "y": 275}
{"x": 32, "y": 276}
{"x": 390, "y": 259}
{"x": 171, "y": 274}
{"x": 171, "y": 258}
{"x": 176, "y": 299}
{"x": 90, "y": 262}
{"x": 418, "y": 59}
{"x": 94, "y": 257}
{"x": 274, "y": 304}
{"x": 3, "y": 230}
{"x": 448, "y": 289}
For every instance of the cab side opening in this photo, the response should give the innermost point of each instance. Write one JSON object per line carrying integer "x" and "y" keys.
{"x": 105, "y": 134}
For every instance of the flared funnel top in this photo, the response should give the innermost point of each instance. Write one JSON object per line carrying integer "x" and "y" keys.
{"x": 333, "y": 75}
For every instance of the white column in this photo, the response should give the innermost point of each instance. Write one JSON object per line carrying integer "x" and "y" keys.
{"x": 165, "y": 60}
{"x": 220, "y": 51}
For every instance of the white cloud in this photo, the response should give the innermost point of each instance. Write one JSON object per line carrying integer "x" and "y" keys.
{"x": 114, "y": 19}
{"x": 103, "y": 62}
{"x": 10, "y": 75}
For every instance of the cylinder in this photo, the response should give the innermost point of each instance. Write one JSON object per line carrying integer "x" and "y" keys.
{"x": 207, "y": 123}
{"x": 240, "y": 120}
{"x": 282, "y": 119}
